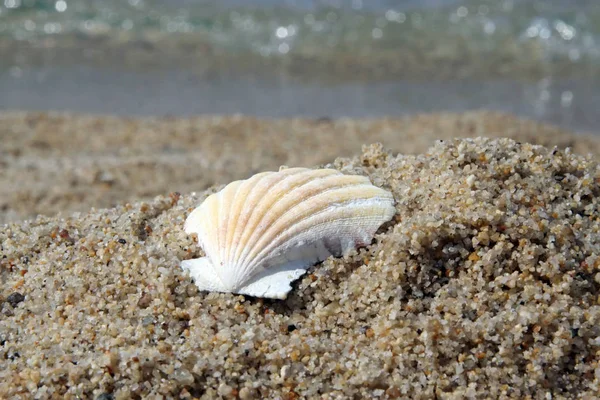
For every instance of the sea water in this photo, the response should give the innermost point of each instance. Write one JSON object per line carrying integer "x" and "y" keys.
{"x": 326, "y": 58}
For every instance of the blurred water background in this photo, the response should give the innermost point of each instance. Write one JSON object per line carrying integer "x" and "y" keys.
{"x": 319, "y": 58}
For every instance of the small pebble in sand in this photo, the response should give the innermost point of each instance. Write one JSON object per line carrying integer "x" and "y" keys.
{"x": 15, "y": 298}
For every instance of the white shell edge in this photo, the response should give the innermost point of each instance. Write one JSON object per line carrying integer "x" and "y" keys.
{"x": 272, "y": 283}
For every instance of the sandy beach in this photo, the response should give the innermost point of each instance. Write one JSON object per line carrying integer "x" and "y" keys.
{"x": 58, "y": 162}
{"x": 486, "y": 283}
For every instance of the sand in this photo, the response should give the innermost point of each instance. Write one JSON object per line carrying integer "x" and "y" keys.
{"x": 58, "y": 162}
{"x": 485, "y": 285}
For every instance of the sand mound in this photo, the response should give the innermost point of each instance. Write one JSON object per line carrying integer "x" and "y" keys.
{"x": 487, "y": 284}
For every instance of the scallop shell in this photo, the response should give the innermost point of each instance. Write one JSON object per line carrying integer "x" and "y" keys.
{"x": 262, "y": 233}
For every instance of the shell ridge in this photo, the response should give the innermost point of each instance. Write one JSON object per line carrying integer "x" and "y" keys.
{"x": 233, "y": 218}
{"x": 214, "y": 210}
{"x": 209, "y": 219}
{"x": 235, "y": 274}
{"x": 246, "y": 185}
{"x": 335, "y": 247}
{"x": 335, "y": 174}
{"x": 244, "y": 215}
{"x": 255, "y": 238}
{"x": 219, "y": 214}
{"x": 228, "y": 221}
{"x": 275, "y": 246}
{"x": 301, "y": 217}
{"x": 224, "y": 215}
{"x": 292, "y": 210}
{"x": 254, "y": 219}
{"x": 241, "y": 231}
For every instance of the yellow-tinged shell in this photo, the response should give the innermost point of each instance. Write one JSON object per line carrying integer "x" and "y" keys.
{"x": 262, "y": 233}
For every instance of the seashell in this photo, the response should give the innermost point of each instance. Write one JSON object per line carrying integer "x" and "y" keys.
{"x": 262, "y": 233}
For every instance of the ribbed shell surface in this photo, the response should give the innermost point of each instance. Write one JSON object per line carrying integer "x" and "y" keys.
{"x": 283, "y": 221}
